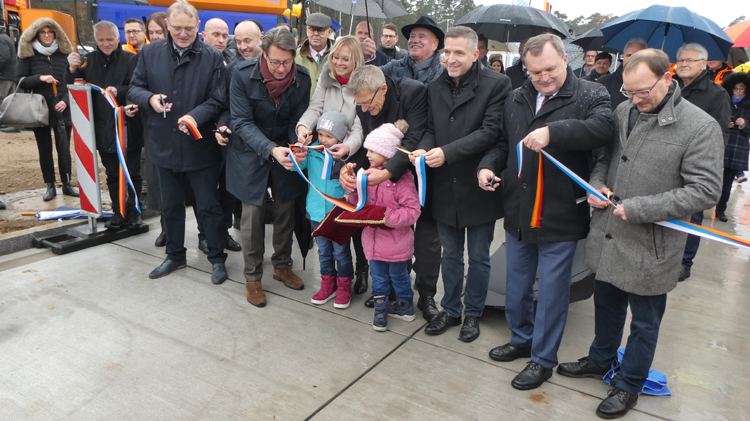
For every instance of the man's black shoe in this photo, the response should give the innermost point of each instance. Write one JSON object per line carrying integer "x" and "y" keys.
{"x": 684, "y": 274}
{"x": 232, "y": 245}
{"x": 441, "y": 323}
{"x": 531, "y": 377}
{"x": 508, "y": 352}
{"x": 167, "y": 267}
{"x": 428, "y": 307}
{"x": 116, "y": 222}
{"x": 470, "y": 329}
{"x": 721, "y": 216}
{"x": 134, "y": 219}
{"x": 617, "y": 404}
{"x": 161, "y": 240}
{"x": 361, "y": 280}
{"x": 218, "y": 273}
{"x": 203, "y": 246}
{"x": 583, "y": 368}
{"x": 370, "y": 302}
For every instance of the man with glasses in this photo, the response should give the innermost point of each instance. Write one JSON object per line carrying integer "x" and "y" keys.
{"x": 388, "y": 41}
{"x": 589, "y": 63}
{"x": 698, "y": 87}
{"x": 313, "y": 52}
{"x": 545, "y": 212}
{"x": 135, "y": 32}
{"x": 666, "y": 163}
{"x": 178, "y": 83}
{"x": 268, "y": 96}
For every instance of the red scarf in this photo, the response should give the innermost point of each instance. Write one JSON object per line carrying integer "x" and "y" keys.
{"x": 276, "y": 87}
{"x": 341, "y": 80}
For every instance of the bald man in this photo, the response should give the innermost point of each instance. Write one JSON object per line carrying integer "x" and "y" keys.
{"x": 216, "y": 34}
{"x": 248, "y": 36}
{"x": 372, "y": 54}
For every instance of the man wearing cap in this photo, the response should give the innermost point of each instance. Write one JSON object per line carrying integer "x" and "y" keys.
{"x": 314, "y": 50}
{"x": 425, "y": 38}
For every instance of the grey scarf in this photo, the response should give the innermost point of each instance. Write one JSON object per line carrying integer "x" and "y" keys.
{"x": 47, "y": 50}
{"x": 424, "y": 67}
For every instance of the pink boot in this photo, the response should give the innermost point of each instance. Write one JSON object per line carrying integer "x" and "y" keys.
{"x": 344, "y": 293}
{"x": 327, "y": 290}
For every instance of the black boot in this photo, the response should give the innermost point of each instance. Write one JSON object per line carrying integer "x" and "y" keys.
{"x": 50, "y": 193}
{"x": 2, "y": 205}
{"x": 133, "y": 217}
{"x": 69, "y": 190}
{"x": 360, "y": 279}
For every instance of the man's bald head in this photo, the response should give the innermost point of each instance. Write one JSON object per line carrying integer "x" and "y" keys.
{"x": 216, "y": 33}
{"x": 362, "y": 32}
{"x": 248, "y": 36}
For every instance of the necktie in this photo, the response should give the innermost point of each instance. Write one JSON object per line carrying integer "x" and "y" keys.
{"x": 544, "y": 101}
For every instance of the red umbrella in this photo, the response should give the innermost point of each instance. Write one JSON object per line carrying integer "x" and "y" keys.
{"x": 740, "y": 34}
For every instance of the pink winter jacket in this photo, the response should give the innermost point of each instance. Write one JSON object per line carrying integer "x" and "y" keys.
{"x": 402, "y": 210}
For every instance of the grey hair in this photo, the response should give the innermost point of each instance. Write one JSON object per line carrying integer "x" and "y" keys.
{"x": 464, "y": 32}
{"x": 182, "y": 6}
{"x": 535, "y": 45}
{"x": 107, "y": 24}
{"x": 367, "y": 77}
{"x": 702, "y": 53}
{"x": 632, "y": 41}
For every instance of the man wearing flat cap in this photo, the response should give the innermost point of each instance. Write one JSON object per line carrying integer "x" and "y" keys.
{"x": 313, "y": 52}
{"x": 424, "y": 39}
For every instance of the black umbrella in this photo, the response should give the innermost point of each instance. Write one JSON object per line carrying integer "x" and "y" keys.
{"x": 302, "y": 227}
{"x": 593, "y": 39}
{"x": 511, "y": 23}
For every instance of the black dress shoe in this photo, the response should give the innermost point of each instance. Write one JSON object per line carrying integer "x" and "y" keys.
{"x": 441, "y": 324}
{"x": 161, "y": 240}
{"x": 360, "y": 280}
{"x": 50, "y": 193}
{"x": 583, "y": 368}
{"x": 428, "y": 307}
{"x": 470, "y": 329}
{"x": 116, "y": 222}
{"x": 617, "y": 404}
{"x": 508, "y": 352}
{"x": 531, "y": 377}
{"x": 134, "y": 219}
{"x": 69, "y": 190}
{"x": 167, "y": 267}
{"x": 370, "y": 302}
{"x": 203, "y": 246}
{"x": 684, "y": 274}
{"x": 721, "y": 216}
{"x": 232, "y": 245}
{"x": 218, "y": 273}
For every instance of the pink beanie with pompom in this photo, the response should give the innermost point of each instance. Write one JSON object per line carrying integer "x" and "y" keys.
{"x": 385, "y": 138}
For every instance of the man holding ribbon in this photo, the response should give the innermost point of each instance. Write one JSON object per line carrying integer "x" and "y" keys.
{"x": 545, "y": 212}
{"x": 666, "y": 164}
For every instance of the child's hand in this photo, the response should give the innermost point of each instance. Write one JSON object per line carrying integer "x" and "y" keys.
{"x": 339, "y": 151}
{"x": 303, "y": 135}
{"x": 347, "y": 178}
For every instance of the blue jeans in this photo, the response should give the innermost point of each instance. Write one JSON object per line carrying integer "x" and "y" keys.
{"x": 554, "y": 261}
{"x": 332, "y": 255}
{"x": 386, "y": 273}
{"x": 478, "y": 240}
{"x": 611, "y": 309}
{"x": 693, "y": 241}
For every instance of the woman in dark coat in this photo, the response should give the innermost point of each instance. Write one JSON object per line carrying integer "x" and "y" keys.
{"x": 43, "y": 50}
{"x": 738, "y": 148}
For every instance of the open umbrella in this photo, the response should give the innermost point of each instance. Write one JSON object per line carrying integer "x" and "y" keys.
{"x": 381, "y": 9}
{"x": 668, "y": 28}
{"x": 511, "y": 23}
{"x": 740, "y": 34}
{"x": 593, "y": 39}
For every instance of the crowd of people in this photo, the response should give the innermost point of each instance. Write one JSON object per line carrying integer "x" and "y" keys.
{"x": 650, "y": 137}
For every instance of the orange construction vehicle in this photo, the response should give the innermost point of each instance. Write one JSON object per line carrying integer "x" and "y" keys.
{"x": 18, "y": 16}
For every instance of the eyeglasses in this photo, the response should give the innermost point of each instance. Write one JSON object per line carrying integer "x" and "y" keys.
{"x": 187, "y": 29}
{"x": 387, "y": 36}
{"x": 590, "y": 55}
{"x": 316, "y": 30}
{"x": 275, "y": 63}
{"x": 688, "y": 61}
{"x": 639, "y": 94}
{"x": 46, "y": 33}
{"x": 535, "y": 76}
{"x": 133, "y": 31}
{"x": 369, "y": 104}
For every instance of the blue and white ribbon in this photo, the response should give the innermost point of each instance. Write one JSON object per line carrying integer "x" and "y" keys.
{"x": 327, "y": 165}
{"x": 421, "y": 179}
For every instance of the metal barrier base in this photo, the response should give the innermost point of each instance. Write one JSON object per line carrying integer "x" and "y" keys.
{"x": 85, "y": 236}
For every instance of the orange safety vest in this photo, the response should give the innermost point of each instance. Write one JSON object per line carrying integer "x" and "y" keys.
{"x": 130, "y": 48}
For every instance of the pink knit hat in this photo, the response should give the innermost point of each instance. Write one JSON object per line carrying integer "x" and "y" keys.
{"x": 385, "y": 138}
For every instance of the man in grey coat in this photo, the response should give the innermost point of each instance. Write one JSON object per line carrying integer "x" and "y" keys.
{"x": 666, "y": 164}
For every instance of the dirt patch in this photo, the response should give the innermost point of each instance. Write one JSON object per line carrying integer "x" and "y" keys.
{"x": 20, "y": 224}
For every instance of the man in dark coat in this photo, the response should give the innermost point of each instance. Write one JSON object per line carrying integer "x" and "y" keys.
{"x": 699, "y": 88}
{"x": 601, "y": 68}
{"x": 425, "y": 40}
{"x": 518, "y": 73}
{"x": 268, "y": 96}
{"x": 180, "y": 78}
{"x": 613, "y": 82}
{"x": 545, "y": 212}
{"x": 111, "y": 68}
{"x": 464, "y": 118}
{"x": 388, "y": 41}
{"x": 7, "y": 64}
{"x": 589, "y": 64}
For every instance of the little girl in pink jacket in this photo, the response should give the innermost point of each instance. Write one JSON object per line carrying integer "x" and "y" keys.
{"x": 389, "y": 249}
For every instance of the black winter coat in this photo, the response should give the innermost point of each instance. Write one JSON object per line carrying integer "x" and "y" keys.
{"x": 194, "y": 85}
{"x": 517, "y": 75}
{"x": 393, "y": 53}
{"x": 259, "y": 125}
{"x": 579, "y": 120}
{"x": 464, "y": 124}
{"x": 613, "y": 83}
{"x": 709, "y": 97}
{"x": 37, "y": 65}
{"x": 115, "y": 70}
{"x": 7, "y": 58}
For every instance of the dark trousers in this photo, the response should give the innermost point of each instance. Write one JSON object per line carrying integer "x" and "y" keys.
{"x": 693, "y": 241}
{"x": 112, "y": 169}
{"x": 542, "y": 332}
{"x": 227, "y": 201}
{"x": 43, "y": 137}
{"x": 611, "y": 310}
{"x": 726, "y": 189}
{"x": 203, "y": 183}
{"x": 426, "y": 254}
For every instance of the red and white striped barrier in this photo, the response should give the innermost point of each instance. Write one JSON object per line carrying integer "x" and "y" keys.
{"x": 87, "y": 163}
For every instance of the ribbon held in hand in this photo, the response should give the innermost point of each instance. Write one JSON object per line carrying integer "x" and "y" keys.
{"x": 191, "y": 127}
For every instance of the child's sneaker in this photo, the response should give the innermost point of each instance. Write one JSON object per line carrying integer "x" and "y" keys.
{"x": 380, "y": 322}
{"x": 327, "y": 290}
{"x": 343, "y": 292}
{"x": 403, "y": 309}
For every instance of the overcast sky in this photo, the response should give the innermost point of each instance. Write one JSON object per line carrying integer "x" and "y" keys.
{"x": 722, "y": 12}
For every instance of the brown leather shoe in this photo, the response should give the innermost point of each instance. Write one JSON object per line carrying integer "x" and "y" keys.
{"x": 288, "y": 278}
{"x": 255, "y": 294}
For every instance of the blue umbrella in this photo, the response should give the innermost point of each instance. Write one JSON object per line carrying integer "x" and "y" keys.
{"x": 667, "y": 28}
